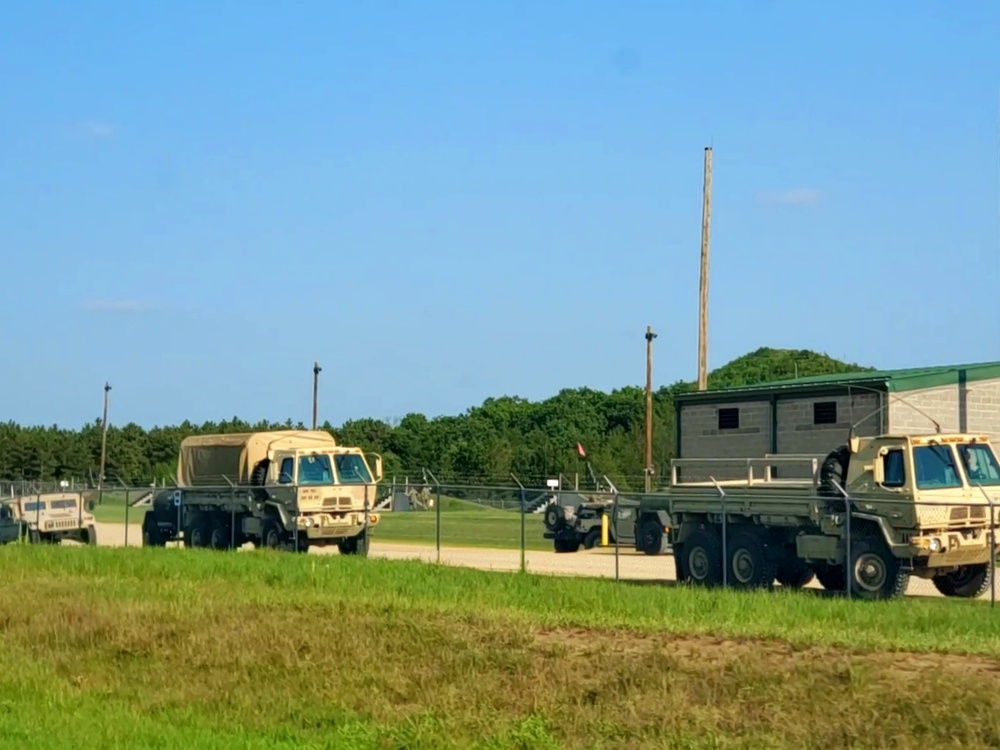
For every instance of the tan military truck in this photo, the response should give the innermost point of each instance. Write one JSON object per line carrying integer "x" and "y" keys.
{"x": 288, "y": 489}
{"x": 919, "y": 505}
{"x": 49, "y": 518}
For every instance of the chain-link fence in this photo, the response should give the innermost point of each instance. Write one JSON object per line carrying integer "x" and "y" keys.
{"x": 710, "y": 534}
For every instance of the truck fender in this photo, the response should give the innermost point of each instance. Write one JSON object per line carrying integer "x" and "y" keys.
{"x": 282, "y": 513}
{"x": 883, "y": 526}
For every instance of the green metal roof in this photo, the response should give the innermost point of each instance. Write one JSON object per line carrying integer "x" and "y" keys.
{"x": 896, "y": 381}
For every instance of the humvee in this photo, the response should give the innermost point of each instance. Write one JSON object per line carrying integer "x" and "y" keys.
{"x": 50, "y": 518}
{"x": 571, "y": 526}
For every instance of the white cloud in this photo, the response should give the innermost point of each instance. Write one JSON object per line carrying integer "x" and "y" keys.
{"x": 96, "y": 129}
{"x": 794, "y": 197}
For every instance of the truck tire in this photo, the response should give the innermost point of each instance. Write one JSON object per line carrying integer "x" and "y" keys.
{"x": 218, "y": 536}
{"x": 151, "y": 534}
{"x": 555, "y": 517}
{"x": 650, "y": 540}
{"x": 567, "y": 545}
{"x": 968, "y": 582}
{"x": 270, "y": 535}
{"x": 876, "y": 574}
{"x": 792, "y": 573}
{"x": 593, "y": 539}
{"x": 749, "y": 567}
{"x": 700, "y": 561}
{"x": 91, "y": 532}
{"x": 831, "y": 577}
{"x": 357, "y": 545}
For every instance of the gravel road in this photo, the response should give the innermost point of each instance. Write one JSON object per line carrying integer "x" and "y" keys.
{"x": 593, "y": 563}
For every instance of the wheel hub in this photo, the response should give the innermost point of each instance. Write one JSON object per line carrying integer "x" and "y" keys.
{"x": 870, "y": 572}
{"x": 698, "y": 564}
{"x": 743, "y": 567}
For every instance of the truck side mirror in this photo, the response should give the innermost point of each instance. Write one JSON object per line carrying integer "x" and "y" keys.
{"x": 89, "y": 505}
{"x": 878, "y": 467}
{"x": 378, "y": 468}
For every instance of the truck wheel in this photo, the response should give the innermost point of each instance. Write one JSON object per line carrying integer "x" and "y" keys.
{"x": 91, "y": 535}
{"x": 875, "y": 572}
{"x": 701, "y": 559}
{"x": 555, "y": 517}
{"x": 270, "y": 537}
{"x": 357, "y": 545}
{"x": 194, "y": 535}
{"x": 218, "y": 534}
{"x": 567, "y": 545}
{"x": 650, "y": 538}
{"x": 749, "y": 567}
{"x": 593, "y": 539}
{"x": 151, "y": 534}
{"x": 831, "y": 577}
{"x": 968, "y": 582}
{"x": 792, "y": 573}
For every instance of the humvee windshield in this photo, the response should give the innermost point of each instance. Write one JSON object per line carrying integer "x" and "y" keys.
{"x": 351, "y": 469}
{"x": 34, "y": 506}
{"x": 980, "y": 464}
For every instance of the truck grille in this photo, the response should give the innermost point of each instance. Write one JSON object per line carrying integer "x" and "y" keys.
{"x": 332, "y": 503}
{"x": 975, "y": 513}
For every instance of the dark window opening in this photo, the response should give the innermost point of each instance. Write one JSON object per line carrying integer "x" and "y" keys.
{"x": 825, "y": 412}
{"x": 729, "y": 419}
{"x": 894, "y": 468}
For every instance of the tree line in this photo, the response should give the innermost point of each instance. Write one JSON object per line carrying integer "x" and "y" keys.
{"x": 483, "y": 445}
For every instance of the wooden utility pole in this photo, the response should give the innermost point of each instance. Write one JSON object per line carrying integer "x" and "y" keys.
{"x": 316, "y": 371}
{"x": 649, "y": 406}
{"x": 706, "y": 217}
{"x": 104, "y": 445}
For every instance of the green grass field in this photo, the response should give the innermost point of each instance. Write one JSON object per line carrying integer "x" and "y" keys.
{"x": 464, "y": 524}
{"x": 163, "y": 648}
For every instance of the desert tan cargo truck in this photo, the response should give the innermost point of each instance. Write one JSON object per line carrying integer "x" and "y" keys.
{"x": 287, "y": 489}
{"x": 919, "y": 505}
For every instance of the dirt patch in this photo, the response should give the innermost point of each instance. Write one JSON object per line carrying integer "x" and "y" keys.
{"x": 587, "y": 643}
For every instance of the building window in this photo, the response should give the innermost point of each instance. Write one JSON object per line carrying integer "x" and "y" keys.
{"x": 729, "y": 419}
{"x": 825, "y": 412}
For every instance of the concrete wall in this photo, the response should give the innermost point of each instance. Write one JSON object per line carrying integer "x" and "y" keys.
{"x": 798, "y": 432}
{"x": 701, "y": 437}
{"x": 978, "y": 411}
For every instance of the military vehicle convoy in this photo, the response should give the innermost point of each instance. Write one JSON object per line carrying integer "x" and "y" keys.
{"x": 919, "y": 506}
{"x": 281, "y": 489}
{"x": 48, "y": 519}
{"x": 574, "y": 524}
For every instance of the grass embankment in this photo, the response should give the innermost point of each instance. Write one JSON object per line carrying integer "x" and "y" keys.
{"x": 463, "y": 524}
{"x": 200, "y": 649}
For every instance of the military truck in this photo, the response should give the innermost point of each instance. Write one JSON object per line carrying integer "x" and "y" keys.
{"x": 48, "y": 518}
{"x": 574, "y": 524}
{"x": 920, "y": 505}
{"x": 281, "y": 489}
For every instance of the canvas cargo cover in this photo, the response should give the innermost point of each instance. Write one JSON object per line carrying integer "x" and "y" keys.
{"x": 209, "y": 460}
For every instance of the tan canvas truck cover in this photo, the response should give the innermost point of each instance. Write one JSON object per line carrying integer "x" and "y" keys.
{"x": 208, "y": 460}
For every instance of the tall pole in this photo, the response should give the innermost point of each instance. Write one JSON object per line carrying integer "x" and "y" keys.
{"x": 316, "y": 371}
{"x": 706, "y": 217}
{"x": 104, "y": 445}
{"x": 649, "y": 406}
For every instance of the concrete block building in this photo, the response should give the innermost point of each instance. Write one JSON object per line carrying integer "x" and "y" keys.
{"x": 814, "y": 415}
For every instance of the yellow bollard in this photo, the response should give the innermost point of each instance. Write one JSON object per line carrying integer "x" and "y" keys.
{"x": 604, "y": 529}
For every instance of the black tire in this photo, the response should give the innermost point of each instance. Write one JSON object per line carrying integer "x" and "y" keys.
{"x": 831, "y": 577}
{"x": 270, "y": 535}
{"x": 701, "y": 558}
{"x": 357, "y": 545}
{"x": 748, "y": 566}
{"x": 34, "y": 536}
{"x": 567, "y": 545}
{"x": 876, "y": 574}
{"x": 968, "y": 582}
{"x": 792, "y": 573}
{"x": 593, "y": 538}
{"x": 651, "y": 540}
{"x": 195, "y": 535}
{"x": 555, "y": 517}
{"x": 91, "y": 535}
{"x": 218, "y": 536}
{"x": 834, "y": 468}
{"x": 151, "y": 534}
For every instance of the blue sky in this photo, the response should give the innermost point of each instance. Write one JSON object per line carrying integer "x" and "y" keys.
{"x": 444, "y": 201}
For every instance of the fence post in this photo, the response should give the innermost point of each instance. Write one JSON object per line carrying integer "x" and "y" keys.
{"x": 725, "y": 542}
{"x": 520, "y": 492}
{"x": 437, "y": 521}
{"x": 128, "y": 502}
{"x": 614, "y": 522}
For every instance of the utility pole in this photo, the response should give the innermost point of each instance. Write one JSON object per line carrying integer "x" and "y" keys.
{"x": 316, "y": 371}
{"x": 649, "y": 406}
{"x": 706, "y": 217}
{"x": 104, "y": 445}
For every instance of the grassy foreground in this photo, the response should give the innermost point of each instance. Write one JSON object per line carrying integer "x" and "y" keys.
{"x": 108, "y": 647}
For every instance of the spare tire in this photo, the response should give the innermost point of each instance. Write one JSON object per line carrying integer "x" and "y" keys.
{"x": 555, "y": 517}
{"x": 834, "y": 469}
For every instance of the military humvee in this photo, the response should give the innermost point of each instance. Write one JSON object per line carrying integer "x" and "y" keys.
{"x": 50, "y": 518}
{"x": 571, "y": 526}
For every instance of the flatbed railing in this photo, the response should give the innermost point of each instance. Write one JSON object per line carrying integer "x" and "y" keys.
{"x": 755, "y": 471}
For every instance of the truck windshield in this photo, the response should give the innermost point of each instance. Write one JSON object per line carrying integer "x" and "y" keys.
{"x": 934, "y": 466}
{"x": 315, "y": 470}
{"x": 351, "y": 469}
{"x": 980, "y": 464}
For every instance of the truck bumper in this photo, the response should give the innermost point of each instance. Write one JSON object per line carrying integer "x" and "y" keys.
{"x": 323, "y": 526}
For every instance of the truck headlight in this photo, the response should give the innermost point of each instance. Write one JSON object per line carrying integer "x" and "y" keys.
{"x": 935, "y": 545}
